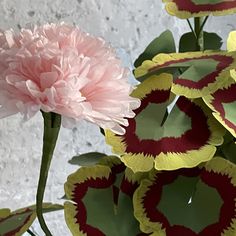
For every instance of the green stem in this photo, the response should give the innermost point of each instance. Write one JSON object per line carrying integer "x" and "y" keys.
{"x": 198, "y": 28}
{"x": 30, "y": 232}
{"x": 190, "y": 26}
{"x": 52, "y": 123}
{"x": 203, "y": 23}
{"x": 165, "y": 117}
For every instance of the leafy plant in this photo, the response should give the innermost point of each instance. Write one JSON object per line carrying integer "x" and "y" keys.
{"x": 173, "y": 171}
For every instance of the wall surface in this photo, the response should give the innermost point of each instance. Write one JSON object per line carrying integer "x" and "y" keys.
{"x": 126, "y": 24}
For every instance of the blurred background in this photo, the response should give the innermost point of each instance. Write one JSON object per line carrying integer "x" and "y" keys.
{"x": 127, "y": 25}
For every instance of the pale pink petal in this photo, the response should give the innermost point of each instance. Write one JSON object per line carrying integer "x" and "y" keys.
{"x": 59, "y": 68}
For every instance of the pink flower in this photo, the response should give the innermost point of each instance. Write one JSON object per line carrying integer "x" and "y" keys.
{"x": 59, "y": 68}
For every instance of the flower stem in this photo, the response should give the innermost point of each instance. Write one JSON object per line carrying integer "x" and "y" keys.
{"x": 52, "y": 123}
{"x": 30, "y": 232}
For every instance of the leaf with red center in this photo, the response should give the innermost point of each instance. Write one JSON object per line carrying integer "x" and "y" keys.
{"x": 98, "y": 208}
{"x": 185, "y": 137}
{"x": 197, "y": 8}
{"x": 17, "y": 222}
{"x": 189, "y": 202}
{"x": 223, "y": 104}
{"x": 202, "y": 73}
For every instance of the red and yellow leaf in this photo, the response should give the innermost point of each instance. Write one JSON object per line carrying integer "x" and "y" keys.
{"x": 186, "y": 138}
{"x": 201, "y": 73}
{"x": 198, "y": 8}
{"x": 189, "y": 202}
{"x": 17, "y": 222}
{"x": 101, "y": 198}
{"x": 223, "y": 104}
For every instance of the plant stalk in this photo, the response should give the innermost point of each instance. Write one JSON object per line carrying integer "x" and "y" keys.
{"x": 52, "y": 124}
{"x": 198, "y": 23}
{"x": 30, "y": 232}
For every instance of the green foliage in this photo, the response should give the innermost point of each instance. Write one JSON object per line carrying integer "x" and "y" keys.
{"x": 163, "y": 44}
{"x": 87, "y": 159}
{"x": 104, "y": 193}
{"x": 228, "y": 148}
{"x": 188, "y": 41}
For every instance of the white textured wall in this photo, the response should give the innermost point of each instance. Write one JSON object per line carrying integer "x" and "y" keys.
{"x": 129, "y": 24}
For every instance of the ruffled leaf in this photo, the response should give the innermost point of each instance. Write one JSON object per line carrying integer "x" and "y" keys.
{"x": 231, "y": 46}
{"x": 17, "y": 222}
{"x": 102, "y": 200}
{"x": 191, "y": 202}
{"x": 223, "y": 105}
{"x": 185, "y": 137}
{"x": 202, "y": 73}
{"x": 198, "y": 8}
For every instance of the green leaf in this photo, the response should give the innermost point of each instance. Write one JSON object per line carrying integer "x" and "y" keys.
{"x": 87, "y": 159}
{"x": 212, "y": 41}
{"x": 163, "y": 44}
{"x": 49, "y": 207}
{"x": 229, "y": 151}
{"x": 228, "y": 148}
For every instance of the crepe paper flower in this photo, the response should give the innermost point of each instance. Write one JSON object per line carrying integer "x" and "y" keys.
{"x": 223, "y": 105}
{"x": 17, "y": 222}
{"x": 189, "y": 202}
{"x": 98, "y": 208}
{"x": 58, "y": 68}
{"x": 187, "y": 137}
{"x": 203, "y": 72}
{"x": 197, "y": 8}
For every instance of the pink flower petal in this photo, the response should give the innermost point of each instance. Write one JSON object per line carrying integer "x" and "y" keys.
{"x": 59, "y": 68}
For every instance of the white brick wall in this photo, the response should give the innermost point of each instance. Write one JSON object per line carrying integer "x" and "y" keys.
{"x": 126, "y": 24}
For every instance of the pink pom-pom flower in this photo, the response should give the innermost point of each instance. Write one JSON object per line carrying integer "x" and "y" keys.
{"x": 58, "y": 68}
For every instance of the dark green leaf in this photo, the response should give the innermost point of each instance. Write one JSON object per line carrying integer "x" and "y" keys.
{"x": 87, "y": 159}
{"x": 163, "y": 44}
{"x": 102, "y": 131}
{"x": 212, "y": 41}
{"x": 64, "y": 197}
{"x": 228, "y": 148}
